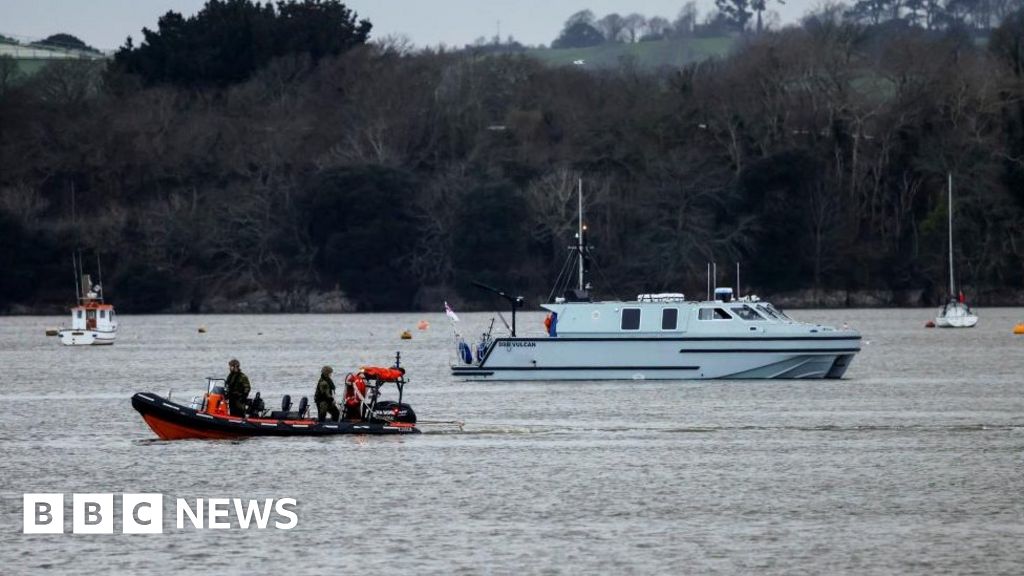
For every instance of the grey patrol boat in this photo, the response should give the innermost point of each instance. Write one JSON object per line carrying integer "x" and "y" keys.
{"x": 657, "y": 337}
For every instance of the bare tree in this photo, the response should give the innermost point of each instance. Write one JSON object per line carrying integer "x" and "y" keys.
{"x": 550, "y": 199}
{"x": 634, "y": 24}
{"x": 9, "y": 73}
{"x": 612, "y": 26}
{"x": 686, "y": 20}
{"x": 23, "y": 202}
{"x": 658, "y": 26}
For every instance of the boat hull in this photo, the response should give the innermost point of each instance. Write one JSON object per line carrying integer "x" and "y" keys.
{"x": 956, "y": 321}
{"x": 70, "y": 337}
{"x": 172, "y": 421}
{"x": 663, "y": 358}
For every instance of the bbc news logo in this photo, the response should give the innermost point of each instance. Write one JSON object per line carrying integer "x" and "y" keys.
{"x": 144, "y": 513}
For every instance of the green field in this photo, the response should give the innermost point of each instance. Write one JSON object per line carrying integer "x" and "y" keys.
{"x": 652, "y": 54}
{"x": 29, "y": 60}
{"x": 29, "y": 66}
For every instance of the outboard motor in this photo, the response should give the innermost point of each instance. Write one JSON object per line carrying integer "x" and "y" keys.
{"x": 303, "y": 407}
{"x": 285, "y": 412}
{"x": 388, "y": 411}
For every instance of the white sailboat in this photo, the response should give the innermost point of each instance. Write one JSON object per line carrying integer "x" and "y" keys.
{"x": 955, "y": 313}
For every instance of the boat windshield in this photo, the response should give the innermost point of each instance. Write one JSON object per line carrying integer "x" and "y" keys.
{"x": 747, "y": 313}
{"x": 773, "y": 312}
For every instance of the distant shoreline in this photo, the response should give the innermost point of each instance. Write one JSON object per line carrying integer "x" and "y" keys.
{"x": 807, "y": 299}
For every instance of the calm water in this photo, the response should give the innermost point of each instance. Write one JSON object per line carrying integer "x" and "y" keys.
{"x": 912, "y": 464}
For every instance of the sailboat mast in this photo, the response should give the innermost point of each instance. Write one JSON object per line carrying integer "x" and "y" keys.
{"x": 952, "y": 287}
{"x": 579, "y": 236}
{"x": 74, "y": 264}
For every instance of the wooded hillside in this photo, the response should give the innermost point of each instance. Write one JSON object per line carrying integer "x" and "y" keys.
{"x": 816, "y": 155}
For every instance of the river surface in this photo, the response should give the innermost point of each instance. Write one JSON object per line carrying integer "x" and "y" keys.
{"x": 912, "y": 464}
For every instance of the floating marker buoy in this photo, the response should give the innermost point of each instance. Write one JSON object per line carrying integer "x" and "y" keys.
{"x": 1019, "y": 328}
{"x": 423, "y": 325}
{"x": 52, "y": 332}
{"x": 406, "y": 335}
{"x": 202, "y": 329}
{"x": 929, "y": 324}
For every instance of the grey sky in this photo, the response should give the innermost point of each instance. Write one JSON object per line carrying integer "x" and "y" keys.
{"x": 106, "y": 23}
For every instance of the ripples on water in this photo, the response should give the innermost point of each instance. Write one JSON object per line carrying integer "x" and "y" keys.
{"x": 912, "y": 464}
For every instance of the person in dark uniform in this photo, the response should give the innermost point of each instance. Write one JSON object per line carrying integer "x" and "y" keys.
{"x": 236, "y": 388}
{"x": 324, "y": 396}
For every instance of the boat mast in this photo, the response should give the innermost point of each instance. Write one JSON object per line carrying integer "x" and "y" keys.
{"x": 74, "y": 264}
{"x": 579, "y": 236}
{"x": 99, "y": 274}
{"x": 952, "y": 287}
{"x": 708, "y": 298}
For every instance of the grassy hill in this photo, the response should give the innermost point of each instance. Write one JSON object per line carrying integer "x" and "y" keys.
{"x": 653, "y": 54}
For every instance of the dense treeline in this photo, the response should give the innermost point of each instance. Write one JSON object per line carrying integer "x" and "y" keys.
{"x": 817, "y": 155}
{"x": 974, "y": 17}
{"x": 228, "y": 40}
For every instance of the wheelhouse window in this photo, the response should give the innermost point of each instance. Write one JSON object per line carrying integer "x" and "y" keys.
{"x": 773, "y": 312}
{"x": 78, "y": 313}
{"x": 669, "y": 318}
{"x": 747, "y": 313}
{"x": 103, "y": 313}
{"x": 630, "y": 318}
{"x": 713, "y": 314}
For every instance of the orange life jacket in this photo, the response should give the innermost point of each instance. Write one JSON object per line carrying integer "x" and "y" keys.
{"x": 353, "y": 382}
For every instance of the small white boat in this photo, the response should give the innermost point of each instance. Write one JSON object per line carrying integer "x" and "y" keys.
{"x": 92, "y": 321}
{"x": 956, "y": 313}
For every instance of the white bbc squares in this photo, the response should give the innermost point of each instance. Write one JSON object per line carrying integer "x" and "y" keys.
{"x": 92, "y": 513}
{"x": 43, "y": 513}
{"x": 142, "y": 513}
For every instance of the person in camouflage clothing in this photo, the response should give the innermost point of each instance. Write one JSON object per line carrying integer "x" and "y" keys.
{"x": 236, "y": 388}
{"x": 324, "y": 396}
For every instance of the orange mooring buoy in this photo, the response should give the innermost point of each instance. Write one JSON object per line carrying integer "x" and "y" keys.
{"x": 423, "y": 325}
{"x": 929, "y": 324}
{"x": 406, "y": 335}
{"x": 1019, "y": 328}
